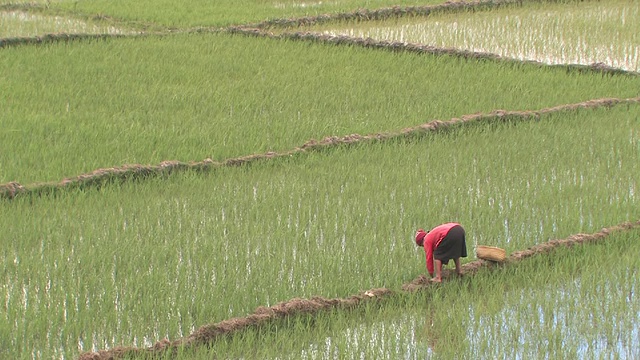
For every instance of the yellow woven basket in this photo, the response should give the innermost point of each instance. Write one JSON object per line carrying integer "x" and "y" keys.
{"x": 491, "y": 253}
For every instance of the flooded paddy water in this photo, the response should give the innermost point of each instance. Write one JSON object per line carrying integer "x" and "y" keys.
{"x": 577, "y": 304}
{"x": 577, "y": 33}
{"x": 554, "y": 306}
{"x": 303, "y": 4}
{"x": 565, "y": 310}
{"x": 24, "y": 24}
{"x": 325, "y": 222}
{"x": 143, "y": 262}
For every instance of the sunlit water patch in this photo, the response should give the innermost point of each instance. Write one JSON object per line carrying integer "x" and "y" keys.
{"x": 577, "y": 319}
{"x": 24, "y": 24}
{"x": 302, "y": 4}
{"x": 585, "y": 33}
{"x": 399, "y": 338}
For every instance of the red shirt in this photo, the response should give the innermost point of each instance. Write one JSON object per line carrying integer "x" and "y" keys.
{"x": 433, "y": 239}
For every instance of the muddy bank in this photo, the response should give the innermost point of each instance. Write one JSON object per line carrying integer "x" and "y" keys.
{"x": 383, "y": 13}
{"x": 208, "y": 334}
{"x": 52, "y": 38}
{"x": 134, "y": 172}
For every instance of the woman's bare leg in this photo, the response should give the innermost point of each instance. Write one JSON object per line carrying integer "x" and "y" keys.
{"x": 458, "y": 267}
{"x": 438, "y": 277}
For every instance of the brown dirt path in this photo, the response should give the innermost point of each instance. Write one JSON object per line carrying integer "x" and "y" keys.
{"x": 209, "y": 334}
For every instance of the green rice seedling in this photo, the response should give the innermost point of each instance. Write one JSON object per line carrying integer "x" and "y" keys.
{"x": 519, "y": 311}
{"x": 583, "y": 306}
{"x": 133, "y": 263}
{"x": 106, "y": 103}
{"x": 556, "y": 33}
{"x": 219, "y": 13}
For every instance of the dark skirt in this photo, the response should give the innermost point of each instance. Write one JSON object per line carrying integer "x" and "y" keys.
{"x": 453, "y": 246}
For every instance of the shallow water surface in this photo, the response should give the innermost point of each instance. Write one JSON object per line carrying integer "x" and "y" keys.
{"x": 585, "y": 33}
{"x": 303, "y": 4}
{"x": 580, "y": 319}
{"x": 24, "y": 24}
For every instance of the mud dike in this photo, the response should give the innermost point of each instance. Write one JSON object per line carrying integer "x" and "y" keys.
{"x": 358, "y": 15}
{"x": 209, "y": 334}
{"x": 399, "y": 46}
{"x": 121, "y": 174}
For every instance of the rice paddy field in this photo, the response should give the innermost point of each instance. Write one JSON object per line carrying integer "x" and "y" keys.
{"x": 556, "y": 33}
{"x": 307, "y": 159}
{"x": 162, "y": 13}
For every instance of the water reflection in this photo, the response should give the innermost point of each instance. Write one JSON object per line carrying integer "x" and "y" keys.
{"x": 571, "y": 321}
{"x": 580, "y": 319}
{"x": 588, "y": 34}
{"x": 397, "y": 339}
{"x": 303, "y": 4}
{"x": 24, "y": 24}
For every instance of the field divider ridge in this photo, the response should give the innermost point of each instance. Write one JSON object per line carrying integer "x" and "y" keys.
{"x": 364, "y": 14}
{"x": 360, "y": 14}
{"x": 210, "y": 333}
{"x": 129, "y": 172}
{"x": 60, "y": 37}
{"x": 399, "y": 46}
{"x": 262, "y": 29}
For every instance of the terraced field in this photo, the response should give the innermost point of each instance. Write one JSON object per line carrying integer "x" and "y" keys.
{"x": 244, "y": 181}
